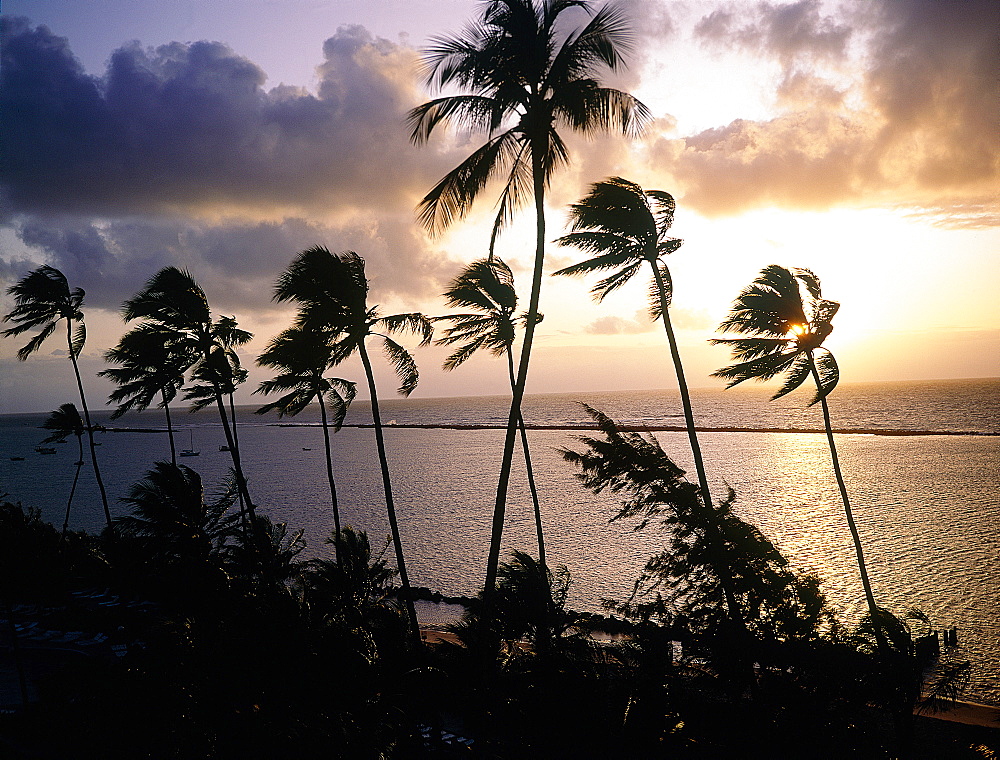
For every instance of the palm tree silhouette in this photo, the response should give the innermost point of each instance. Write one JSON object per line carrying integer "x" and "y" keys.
{"x": 152, "y": 364}
{"x": 301, "y": 357}
{"x": 488, "y": 287}
{"x": 174, "y": 302}
{"x": 526, "y": 73}
{"x": 43, "y": 298}
{"x": 332, "y": 293}
{"x": 66, "y": 421}
{"x": 625, "y": 227}
{"x": 784, "y": 312}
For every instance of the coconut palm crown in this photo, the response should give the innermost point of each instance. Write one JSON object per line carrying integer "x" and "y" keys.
{"x": 625, "y": 227}
{"x": 787, "y": 319}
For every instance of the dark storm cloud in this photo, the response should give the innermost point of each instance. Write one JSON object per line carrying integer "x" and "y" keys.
{"x": 237, "y": 263}
{"x": 190, "y": 127}
{"x": 911, "y": 119}
{"x": 179, "y": 156}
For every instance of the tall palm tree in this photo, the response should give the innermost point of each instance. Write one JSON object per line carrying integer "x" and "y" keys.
{"x": 624, "y": 227}
{"x": 173, "y": 301}
{"x": 301, "y": 357}
{"x": 487, "y": 286}
{"x": 784, "y": 312}
{"x": 43, "y": 298}
{"x": 66, "y": 421}
{"x": 332, "y": 293}
{"x": 526, "y": 73}
{"x": 152, "y": 364}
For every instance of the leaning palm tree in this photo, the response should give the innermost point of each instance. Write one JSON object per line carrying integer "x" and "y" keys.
{"x": 332, "y": 293}
{"x": 624, "y": 227}
{"x": 787, "y": 319}
{"x": 152, "y": 365}
{"x": 173, "y": 301}
{"x": 43, "y": 298}
{"x": 487, "y": 286}
{"x": 301, "y": 357}
{"x": 66, "y": 421}
{"x": 527, "y": 73}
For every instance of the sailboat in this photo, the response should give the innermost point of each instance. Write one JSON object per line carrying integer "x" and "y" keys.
{"x": 190, "y": 452}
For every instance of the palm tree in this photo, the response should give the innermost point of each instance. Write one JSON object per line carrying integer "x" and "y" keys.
{"x": 174, "y": 302}
{"x": 787, "y": 318}
{"x": 625, "y": 227}
{"x": 152, "y": 364}
{"x": 66, "y": 421}
{"x": 170, "y": 514}
{"x": 332, "y": 293}
{"x": 42, "y": 298}
{"x": 301, "y": 357}
{"x": 488, "y": 287}
{"x": 526, "y": 73}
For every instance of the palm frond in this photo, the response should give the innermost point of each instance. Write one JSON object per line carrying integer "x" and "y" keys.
{"x": 762, "y": 368}
{"x": 403, "y": 364}
{"x": 612, "y": 282}
{"x": 829, "y": 373}
{"x": 655, "y": 304}
{"x": 798, "y": 372}
{"x": 452, "y": 197}
{"x": 414, "y": 323}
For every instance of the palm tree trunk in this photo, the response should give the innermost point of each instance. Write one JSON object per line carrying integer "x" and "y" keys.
{"x": 528, "y": 467}
{"x": 86, "y": 419}
{"x": 170, "y": 430}
{"x": 873, "y": 610}
{"x": 390, "y": 507}
{"x": 72, "y": 490}
{"x": 329, "y": 477}
{"x": 236, "y": 440}
{"x": 699, "y": 463}
{"x": 503, "y": 482}
{"x": 241, "y": 482}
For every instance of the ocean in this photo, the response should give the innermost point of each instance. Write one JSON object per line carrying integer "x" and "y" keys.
{"x": 920, "y": 459}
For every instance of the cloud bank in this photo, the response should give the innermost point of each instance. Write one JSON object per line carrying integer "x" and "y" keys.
{"x": 885, "y": 103}
{"x": 177, "y": 155}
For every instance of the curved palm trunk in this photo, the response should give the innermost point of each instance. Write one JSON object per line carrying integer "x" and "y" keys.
{"x": 390, "y": 506}
{"x": 170, "y": 429}
{"x": 329, "y": 477}
{"x": 503, "y": 482}
{"x": 72, "y": 490}
{"x": 86, "y": 419}
{"x": 862, "y": 568}
{"x": 699, "y": 464}
{"x": 236, "y": 441}
{"x": 247, "y": 508}
{"x": 528, "y": 467}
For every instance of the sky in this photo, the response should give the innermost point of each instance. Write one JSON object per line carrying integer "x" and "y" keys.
{"x": 857, "y": 139}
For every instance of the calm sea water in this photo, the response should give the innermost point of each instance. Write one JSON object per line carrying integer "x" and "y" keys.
{"x": 924, "y": 491}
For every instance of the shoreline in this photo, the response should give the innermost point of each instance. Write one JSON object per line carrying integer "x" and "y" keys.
{"x": 587, "y": 426}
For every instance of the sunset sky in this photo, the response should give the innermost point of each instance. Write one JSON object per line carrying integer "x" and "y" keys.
{"x": 858, "y": 139}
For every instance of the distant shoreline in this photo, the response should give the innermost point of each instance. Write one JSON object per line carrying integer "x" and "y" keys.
{"x": 586, "y": 426}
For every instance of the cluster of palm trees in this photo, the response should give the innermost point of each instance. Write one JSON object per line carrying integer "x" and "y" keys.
{"x": 522, "y": 73}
